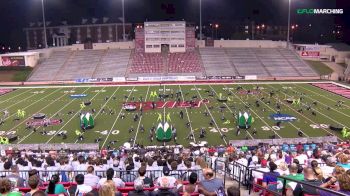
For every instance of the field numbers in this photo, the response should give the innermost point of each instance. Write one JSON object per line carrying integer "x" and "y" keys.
{"x": 266, "y": 128}
{"x": 318, "y": 126}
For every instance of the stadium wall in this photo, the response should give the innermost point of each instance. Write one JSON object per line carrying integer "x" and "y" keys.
{"x": 249, "y": 44}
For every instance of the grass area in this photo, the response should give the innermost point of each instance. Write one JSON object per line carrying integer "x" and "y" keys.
{"x": 56, "y": 103}
{"x": 320, "y": 67}
{"x": 14, "y": 74}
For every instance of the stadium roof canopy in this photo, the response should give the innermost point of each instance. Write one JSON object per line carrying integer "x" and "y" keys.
{"x": 340, "y": 46}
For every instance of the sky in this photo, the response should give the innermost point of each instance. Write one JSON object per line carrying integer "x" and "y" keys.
{"x": 17, "y": 14}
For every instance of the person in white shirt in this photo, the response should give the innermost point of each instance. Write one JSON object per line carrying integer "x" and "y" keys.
{"x": 259, "y": 175}
{"x": 171, "y": 179}
{"x": 328, "y": 169}
{"x": 81, "y": 166}
{"x": 110, "y": 177}
{"x": 90, "y": 178}
{"x": 302, "y": 157}
{"x": 81, "y": 187}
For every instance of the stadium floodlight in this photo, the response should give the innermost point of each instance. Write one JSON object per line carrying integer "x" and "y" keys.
{"x": 288, "y": 28}
{"x": 200, "y": 19}
{"x": 44, "y": 22}
{"x": 123, "y": 10}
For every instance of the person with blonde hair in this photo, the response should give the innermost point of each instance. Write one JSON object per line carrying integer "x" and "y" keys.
{"x": 344, "y": 161}
{"x": 6, "y": 188}
{"x": 108, "y": 189}
{"x": 318, "y": 173}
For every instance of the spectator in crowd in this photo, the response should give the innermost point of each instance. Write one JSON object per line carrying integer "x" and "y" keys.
{"x": 90, "y": 178}
{"x": 329, "y": 167}
{"x": 14, "y": 177}
{"x": 80, "y": 188}
{"x": 138, "y": 186}
{"x": 110, "y": 178}
{"x": 127, "y": 176}
{"x": 319, "y": 174}
{"x": 233, "y": 191}
{"x": 171, "y": 180}
{"x": 165, "y": 188}
{"x": 282, "y": 169}
{"x": 260, "y": 171}
{"x": 34, "y": 172}
{"x": 82, "y": 165}
{"x": 309, "y": 177}
{"x": 147, "y": 182}
{"x": 33, "y": 183}
{"x": 270, "y": 178}
{"x": 54, "y": 186}
{"x": 193, "y": 187}
{"x": 343, "y": 184}
{"x": 6, "y": 188}
{"x": 344, "y": 161}
{"x": 39, "y": 193}
{"x": 210, "y": 183}
{"x": 108, "y": 189}
{"x": 293, "y": 174}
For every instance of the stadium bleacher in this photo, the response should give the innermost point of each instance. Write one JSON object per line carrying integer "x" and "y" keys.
{"x": 264, "y": 62}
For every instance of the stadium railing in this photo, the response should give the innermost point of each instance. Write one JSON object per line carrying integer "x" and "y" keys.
{"x": 243, "y": 175}
{"x": 126, "y": 176}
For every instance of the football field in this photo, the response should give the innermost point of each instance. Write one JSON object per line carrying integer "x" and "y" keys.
{"x": 317, "y": 110}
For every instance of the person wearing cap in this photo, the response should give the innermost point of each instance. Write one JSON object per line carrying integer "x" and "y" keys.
{"x": 260, "y": 171}
{"x": 170, "y": 179}
{"x": 328, "y": 169}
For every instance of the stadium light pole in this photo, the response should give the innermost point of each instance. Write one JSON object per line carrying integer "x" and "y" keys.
{"x": 123, "y": 19}
{"x": 200, "y": 19}
{"x": 44, "y": 22}
{"x": 288, "y": 28}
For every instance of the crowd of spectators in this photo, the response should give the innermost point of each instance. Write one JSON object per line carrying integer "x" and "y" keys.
{"x": 184, "y": 171}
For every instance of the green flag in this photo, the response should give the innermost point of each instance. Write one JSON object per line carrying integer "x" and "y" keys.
{"x": 160, "y": 132}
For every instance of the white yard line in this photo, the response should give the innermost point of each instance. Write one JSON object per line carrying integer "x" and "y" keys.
{"x": 210, "y": 115}
{"x": 32, "y": 104}
{"x": 320, "y": 113}
{"x": 188, "y": 117}
{"x": 104, "y": 105}
{"x": 253, "y": 112}
{"x": 322, "y": 103}
{"x": 13, "y": 96}
{"x": 138, "y": 126}
{"x": 17, "y": 102}
{"x": 306, "y": 117}
{"x": 231, "y": 110}
{"x": 115, "y": 121}
{"x": 72, "y": 117}
{"x": 52, "y": 115}
{"x": 288, "y": 122}
{"x": 321, "y": 94}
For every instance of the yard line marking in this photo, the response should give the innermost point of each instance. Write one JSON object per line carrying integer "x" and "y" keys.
{"x": 211, "y": 115}
{"x": 17, "y": 102}
{"x": 230, "y": 110}
{"x": 115, "y": 121}
{"x": 337, "y": 110}
{"x": 188, "y": 117}
{"x": 307, "y": 117}
{"x": 32, "y": 104}
{"x": 14, "y": 96}
{"x": 323, "y": 114}
{"x": 104, "y": 105}
{"x": 138, "y": 126}
{"x": 72, "y": 117}
{"x": 276, "y": 111}
{"x": 245, "y": 104}
{"x": 51, "y": 115}
{"x": 321, "y": 94}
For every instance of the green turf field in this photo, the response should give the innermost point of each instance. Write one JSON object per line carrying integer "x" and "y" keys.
{"x": 55, "y": 102}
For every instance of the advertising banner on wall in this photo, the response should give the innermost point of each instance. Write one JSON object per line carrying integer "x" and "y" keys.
{"x": 310, "y": 53}
{"x": 13, "y": 61}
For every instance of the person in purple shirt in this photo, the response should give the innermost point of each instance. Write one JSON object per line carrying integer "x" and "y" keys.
{"x": 270, "y": 178}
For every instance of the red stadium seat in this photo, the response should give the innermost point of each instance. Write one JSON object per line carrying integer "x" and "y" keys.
{"x": 24, "y": 189}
